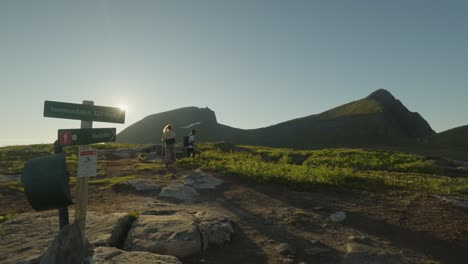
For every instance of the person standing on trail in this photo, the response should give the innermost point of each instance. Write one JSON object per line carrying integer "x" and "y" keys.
{"x": 169, "y": 138}
{"x": 190, "y": 144}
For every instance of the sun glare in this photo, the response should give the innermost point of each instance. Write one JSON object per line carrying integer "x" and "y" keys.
{"x": 123, "y": 107}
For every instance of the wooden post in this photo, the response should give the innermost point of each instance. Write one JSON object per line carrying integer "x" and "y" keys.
{"x": 82, "y": 185}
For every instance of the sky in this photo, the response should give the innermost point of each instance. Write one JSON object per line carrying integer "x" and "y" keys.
{"x": 255, "y": 63}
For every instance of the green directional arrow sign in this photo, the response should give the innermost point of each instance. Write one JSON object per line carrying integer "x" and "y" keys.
{"x": 84, "y": 112}
{"x": 85, "y": 136}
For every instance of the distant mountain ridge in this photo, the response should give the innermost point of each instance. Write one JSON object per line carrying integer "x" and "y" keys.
{"x": 454, "y": 138}
{"x": 376, "y": 120}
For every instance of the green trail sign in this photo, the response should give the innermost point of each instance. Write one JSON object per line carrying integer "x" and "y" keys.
{"x": 85, "y": 136}
{"x": 84, "y": 112}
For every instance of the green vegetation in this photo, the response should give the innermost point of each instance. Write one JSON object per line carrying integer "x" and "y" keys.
{"x": 109, "y": 182}
{"x": 360, "y": 107}
{"x": 147, "y": 166}
{"x": 134, "y": 215}
{"x": 371, "y": 160}
{"x": 15, "y": 186}
{"x": 13, "y": 157}
{"x": 341, "y": 168}
{"x": 4, "y": 218}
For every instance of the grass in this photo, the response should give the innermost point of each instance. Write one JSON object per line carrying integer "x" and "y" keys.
{"x": 4, "y": 218}
{"x": 147, "y": 166}
{"x": 342, "y": 168}
{"x": 360, "y": 169}
{"x": 15, "y": 186}
{"x": 13, "y": 158}
{"x": 109, "y": 182}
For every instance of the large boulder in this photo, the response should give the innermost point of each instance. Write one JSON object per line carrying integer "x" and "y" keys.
{"x": 179, "y": 192}
{"x": 111, "y": 255}
{"x": 172, "y": 234}
{"x": 26, "y": 236}
{"x": 108, "y": 229}
{"x": 68, "y": 246}
{"x": 215, "y": 229}
{"x": 201, "y": 180}
{"x": 179, "y": 233}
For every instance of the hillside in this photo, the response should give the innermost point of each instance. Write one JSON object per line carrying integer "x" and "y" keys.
{"x": 376, "y": 120}
{"x": 455, "y": 137}
{"x": 245, "y": 204}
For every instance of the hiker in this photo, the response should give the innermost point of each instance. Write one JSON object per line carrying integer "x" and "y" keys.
{"x": 169, "y": 138}
{"x": 190, "y": 144}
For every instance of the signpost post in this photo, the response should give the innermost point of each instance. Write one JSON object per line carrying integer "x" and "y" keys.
{"x": 82, "y": 184}
{"x": 87, "y": 162}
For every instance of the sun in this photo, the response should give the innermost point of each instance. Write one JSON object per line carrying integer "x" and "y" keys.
{"x": 123, "y": 107}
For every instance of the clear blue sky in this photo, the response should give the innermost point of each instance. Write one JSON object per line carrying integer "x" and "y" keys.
{"x": 255, "y": 63}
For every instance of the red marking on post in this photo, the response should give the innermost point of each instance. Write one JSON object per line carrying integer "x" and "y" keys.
{"x": 88, "y": 153}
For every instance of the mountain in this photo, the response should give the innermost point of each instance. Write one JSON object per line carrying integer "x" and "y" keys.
{"x": 455, "y": 138}
{"x": 376, "y": 120}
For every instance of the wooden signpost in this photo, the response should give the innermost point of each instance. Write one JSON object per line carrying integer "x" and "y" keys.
{"x": 87, "y": 113}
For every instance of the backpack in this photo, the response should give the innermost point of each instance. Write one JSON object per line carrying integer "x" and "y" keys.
{"x": 186, "y": 141}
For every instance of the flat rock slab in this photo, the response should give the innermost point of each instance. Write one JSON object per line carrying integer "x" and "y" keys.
{"x": 26, "y": 236}
{"x": 215, "y": 228}
{"x": 179, "y": 192}
{"x": 142, "y": 185}
{"x": 201, "y": 180}
{"x": 111, "y": 255}
{"x": 174, "y": 234}
{"x": 361, "y": 254}
{"x": 178, "y": 233}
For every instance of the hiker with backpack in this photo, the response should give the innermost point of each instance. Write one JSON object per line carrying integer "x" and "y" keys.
{"x": 190, "y": 144}
{"x": 169, "y": 138}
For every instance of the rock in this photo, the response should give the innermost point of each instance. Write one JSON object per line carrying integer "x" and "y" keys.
{"x": 110, "y": 255}
{"x": 284, "y": 249}
{"x": 142, "y": 185}
{"x": 107, "y": 230}
{"x": 215, "y": 229}
{"x": 361, "y": 239}
{"x": 122, "y": 155}
{"x": 338, "y": 216}
{"x": 201, "y": 180}
{"x": 453, "y": 201}
{"x": 288, "y": 261}
{"x": 268, "y": 221}
{"x": 26, "y": 236}
{"x": 361, "y": 254}
{"x": 179, "y": 192}
{"x": 175, "y": 234}
{"x": 318, "y": 208}
{"x": 68, "y": 246}
{"x": 316, "y": 251}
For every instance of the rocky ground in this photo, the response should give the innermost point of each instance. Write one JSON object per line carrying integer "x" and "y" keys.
{"x": 205, "y": 217}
